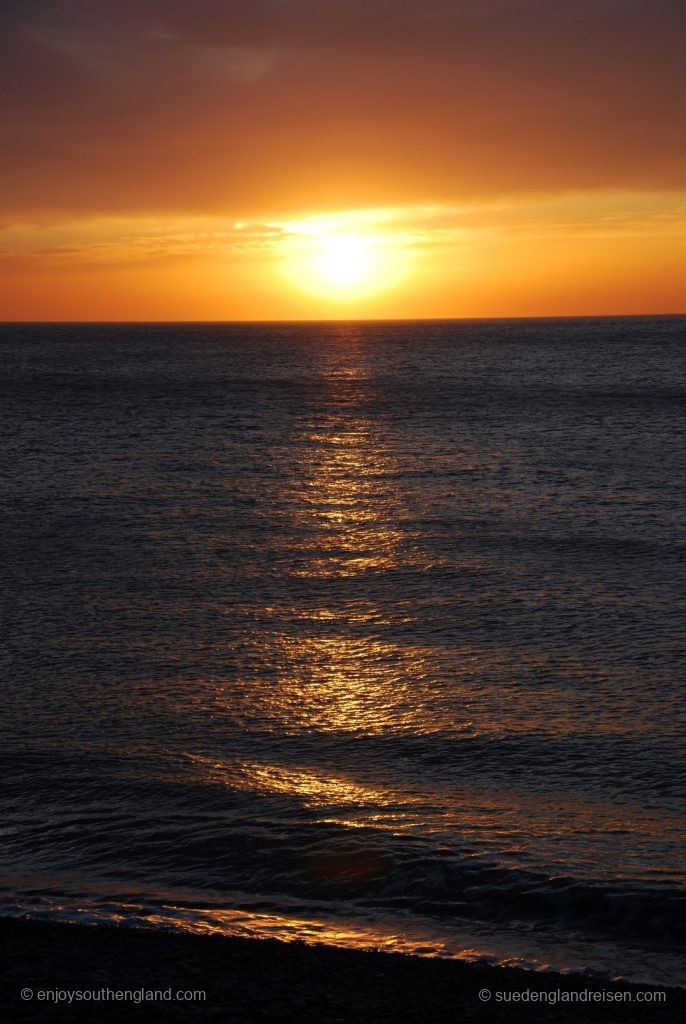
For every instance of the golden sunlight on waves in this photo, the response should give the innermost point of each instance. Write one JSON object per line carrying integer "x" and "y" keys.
{"x": 503, "y": 820}
{"x": 329, "y": 679}
{"x": 346, "y": 493}
{"x": 315, "y": 789}
{"x": 344, "y": 933}
{"x": 330, "y": 683}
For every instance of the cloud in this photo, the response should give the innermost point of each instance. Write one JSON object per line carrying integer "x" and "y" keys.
{"x": 107, "y": 244}
{"x": 201, "y": 106}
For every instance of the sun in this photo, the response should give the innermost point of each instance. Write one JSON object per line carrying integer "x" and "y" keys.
{"x": 344, "y": 261}
{"x": 340, "y": 266}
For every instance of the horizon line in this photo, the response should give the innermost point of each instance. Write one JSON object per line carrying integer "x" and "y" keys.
{"x": 365, "y": 320}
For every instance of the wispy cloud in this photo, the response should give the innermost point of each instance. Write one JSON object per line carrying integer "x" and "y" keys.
{"x": 419, "y": 228}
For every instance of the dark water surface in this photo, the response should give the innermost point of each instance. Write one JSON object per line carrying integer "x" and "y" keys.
{"x": 370, "y": 632}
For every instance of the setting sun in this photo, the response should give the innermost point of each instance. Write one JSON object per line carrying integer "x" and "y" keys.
{"x": 326, "y": 259}
{"x": 344, "y": 261}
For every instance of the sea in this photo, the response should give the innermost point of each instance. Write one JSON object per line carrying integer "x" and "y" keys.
{"x": 363, "y": 633}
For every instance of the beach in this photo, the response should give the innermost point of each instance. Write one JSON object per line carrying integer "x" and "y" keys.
{"x": 109, "y": 974}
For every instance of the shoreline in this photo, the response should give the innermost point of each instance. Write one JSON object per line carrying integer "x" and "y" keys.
{"x": 266, "y": 980}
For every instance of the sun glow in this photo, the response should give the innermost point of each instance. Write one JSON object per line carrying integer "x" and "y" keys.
{"x": 327, "y": 259}
{"x": 344, "y": 261}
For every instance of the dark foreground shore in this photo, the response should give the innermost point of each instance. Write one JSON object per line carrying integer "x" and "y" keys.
{"x": 108, "y": 974}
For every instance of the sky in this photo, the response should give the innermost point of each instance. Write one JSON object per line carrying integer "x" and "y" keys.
{"x": 277, "y": 159}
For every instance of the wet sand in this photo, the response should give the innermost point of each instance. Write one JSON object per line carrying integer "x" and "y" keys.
{"x": 245, "y": 981}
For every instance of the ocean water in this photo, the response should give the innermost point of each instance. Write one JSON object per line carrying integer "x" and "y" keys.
{"x": 363, "y": 633}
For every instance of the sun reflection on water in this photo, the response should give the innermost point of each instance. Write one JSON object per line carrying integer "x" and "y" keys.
{"x": 314, "y": 789}
{"x": 337, "y": 660}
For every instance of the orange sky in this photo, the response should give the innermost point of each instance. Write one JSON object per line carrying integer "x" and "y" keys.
{"x": 193, "y": 159}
